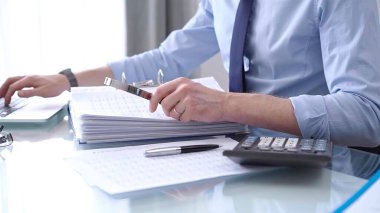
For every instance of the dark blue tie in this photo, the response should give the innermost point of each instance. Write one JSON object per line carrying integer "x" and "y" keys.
{"x": 236, "y": 72}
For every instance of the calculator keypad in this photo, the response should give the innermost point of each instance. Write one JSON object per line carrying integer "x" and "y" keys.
{"x": 282, "y": 151}
{"x": 291, "y": 144}
{"x": 264, "y": 143}
{"x": 248, "y": 143}
{"x": 282, "y": 144}
{"x": 278, "y": 144}
{"x": 320, "y": 145}
{"x": 307, "y": 144}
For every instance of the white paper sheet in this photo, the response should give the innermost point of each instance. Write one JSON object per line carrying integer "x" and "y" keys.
{"x": 126, "y": 169}
{"x": 120, "y": 105}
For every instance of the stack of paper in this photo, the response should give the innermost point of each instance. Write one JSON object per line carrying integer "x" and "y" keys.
{"x": 105, "y": 114}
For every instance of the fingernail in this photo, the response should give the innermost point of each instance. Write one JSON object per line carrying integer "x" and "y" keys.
{"x": 20, "y": 93}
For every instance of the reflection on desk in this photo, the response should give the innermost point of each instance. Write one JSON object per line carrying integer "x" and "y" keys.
{"x": 288, "y": 190}
{"x": 36, "y": 179}
{"x": 276, "y": 191}
{"x": 354, "y": 162}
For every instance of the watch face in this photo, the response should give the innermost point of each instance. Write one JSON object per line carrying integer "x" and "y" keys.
{"x": 5, "y": 139}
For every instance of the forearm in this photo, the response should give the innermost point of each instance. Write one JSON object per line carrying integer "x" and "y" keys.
{"x": 93, "y": 77}
{"x": 263, "y": 111}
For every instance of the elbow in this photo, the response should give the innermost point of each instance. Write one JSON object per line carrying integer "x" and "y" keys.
{"x": 353, "y": 120}
{"x": 361, "y": 129}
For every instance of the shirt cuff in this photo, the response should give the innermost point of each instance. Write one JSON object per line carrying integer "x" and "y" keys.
{"x": 311, "y": 115}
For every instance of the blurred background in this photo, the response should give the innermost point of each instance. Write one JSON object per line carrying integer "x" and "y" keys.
{"x": 46, "y": 36}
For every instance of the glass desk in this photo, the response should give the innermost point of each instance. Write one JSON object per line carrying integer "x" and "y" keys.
{"x": 34, "y": 178}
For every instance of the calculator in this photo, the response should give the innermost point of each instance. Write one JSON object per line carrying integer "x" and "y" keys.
{"x": 281, "y": 151}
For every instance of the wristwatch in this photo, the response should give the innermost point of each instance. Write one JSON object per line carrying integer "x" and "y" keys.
{"x": 70, "y": 76}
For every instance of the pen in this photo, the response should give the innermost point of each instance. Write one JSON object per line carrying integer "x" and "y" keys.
{"x": 127, "y": 88}
{"x": 173, "y": 150}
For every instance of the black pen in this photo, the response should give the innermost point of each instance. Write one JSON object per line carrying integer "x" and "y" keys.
{"x": 173, "y": 150}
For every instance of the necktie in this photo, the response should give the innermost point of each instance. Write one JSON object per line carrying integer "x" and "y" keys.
{"x": 236, "y": 73}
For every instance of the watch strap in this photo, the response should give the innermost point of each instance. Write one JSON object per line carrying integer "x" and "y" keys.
{"x": 70, "y": 76}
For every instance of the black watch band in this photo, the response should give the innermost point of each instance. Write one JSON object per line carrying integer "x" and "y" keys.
{"x": 70, "y": 76}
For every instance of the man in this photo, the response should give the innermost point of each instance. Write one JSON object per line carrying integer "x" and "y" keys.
{"x": 308, "y": 68}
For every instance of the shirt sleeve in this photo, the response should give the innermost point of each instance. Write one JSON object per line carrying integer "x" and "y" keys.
{"x": 349, "y": 32}
{"x": 182, "y": 51}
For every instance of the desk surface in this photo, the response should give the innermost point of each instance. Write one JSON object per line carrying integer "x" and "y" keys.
{"x": 34, "y": 178}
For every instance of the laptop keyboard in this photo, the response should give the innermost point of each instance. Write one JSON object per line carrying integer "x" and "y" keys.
{"x": 15, "y": 104}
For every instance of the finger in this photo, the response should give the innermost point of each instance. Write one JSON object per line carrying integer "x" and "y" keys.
{"x": 185, "y": 117}
{"x": 177, "y": 110}
{"x": 170, "y": 102}
{"x": 173, "y": 100}
{"x": 186, "y": 114}
{"x": 26, "y": 93}
{"x": 9, "y": 81}
{"x": 18, "y": 85}
{"x": 174, "y": 113}
{"x": 158, "y": 95}
{"x": 163, "y": 91}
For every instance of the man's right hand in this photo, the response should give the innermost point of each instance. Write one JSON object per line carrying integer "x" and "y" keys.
{"x": 34, "y": 85}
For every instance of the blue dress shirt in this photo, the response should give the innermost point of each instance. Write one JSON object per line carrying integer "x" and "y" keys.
{"x": 322, "y": 54}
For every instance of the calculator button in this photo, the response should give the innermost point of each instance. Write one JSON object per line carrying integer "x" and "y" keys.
{"x": 264, "y": 143}
{"x": 249, "y": 142}
{"x": 307, "y": 144}
{"x": 291, "y": 144}
{"x": 320, "y": 145}
{"x": 278, "y": 144}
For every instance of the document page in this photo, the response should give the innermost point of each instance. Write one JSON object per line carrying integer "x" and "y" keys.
{"x": 126, "y": 169}
{"x": 108, "y": 101}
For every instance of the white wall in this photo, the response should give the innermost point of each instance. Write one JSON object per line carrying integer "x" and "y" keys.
{"x": 44, "y": 36}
